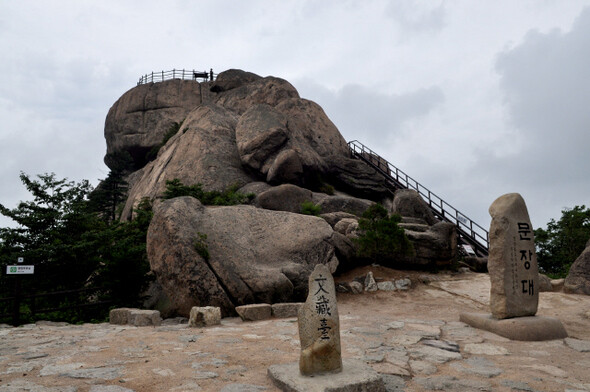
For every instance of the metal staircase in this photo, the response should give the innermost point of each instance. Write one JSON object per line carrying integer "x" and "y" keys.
{"x": 469, "y": 232}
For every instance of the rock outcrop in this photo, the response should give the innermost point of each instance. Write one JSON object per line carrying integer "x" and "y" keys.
{"x": 435, "y": 242}
{"x": 258, "y": 134}
{"x": 253, "y": 128}
{"x": 255, "y": 255}
{"x": 203, "y": 151}
{"x": 578, "y": 278}
{"x": 138, "y": 121}
{"x": 409, "y": 204}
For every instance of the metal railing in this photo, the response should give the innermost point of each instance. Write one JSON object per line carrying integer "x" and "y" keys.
{"x": 468, "y": 230}
{"x": 184, "y": 74}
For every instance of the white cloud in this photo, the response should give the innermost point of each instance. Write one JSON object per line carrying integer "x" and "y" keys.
{"x": 451, "y": 92}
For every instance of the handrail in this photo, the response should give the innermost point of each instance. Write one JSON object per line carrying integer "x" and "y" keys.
{"x": 468, "y": 230}
{"x": 183, "y": 74}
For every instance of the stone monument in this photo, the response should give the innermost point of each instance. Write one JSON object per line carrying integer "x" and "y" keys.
{"x": 319, "y": 326}
{"x": 512, "y": 261}
{"x": 514, "y": 277}
{"x": 320, "y": 366}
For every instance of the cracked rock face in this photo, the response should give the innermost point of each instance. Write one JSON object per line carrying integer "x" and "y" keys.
{"x": 139, "y": 119}
{"x": 255, "y": 255}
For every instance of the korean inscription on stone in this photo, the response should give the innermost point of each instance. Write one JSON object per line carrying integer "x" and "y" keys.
{"x": 319, "y": 326}
{"x": 512, "y": 261}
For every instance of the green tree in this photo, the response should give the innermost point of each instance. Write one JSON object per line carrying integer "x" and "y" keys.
{"x": 563, "y": 241}
{"x": 229, "y": 197}
{"x": 73, "y": 246}
{"x": 122, "y": 265}
{"x": 51, "y": 229}
{"x": 381, "y": 239}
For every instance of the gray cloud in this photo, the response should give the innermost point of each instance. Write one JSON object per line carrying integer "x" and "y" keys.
{"x": 375, "y": 117}
{"x": 546, "y": 90}
{"x": 414, "y": 80}
{"x": 417, "y": 17}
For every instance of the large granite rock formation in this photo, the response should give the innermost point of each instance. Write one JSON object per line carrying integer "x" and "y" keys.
{"x": 253, "y": 128}
{"x": 257, "y": 133}
{"x": 255, "y": 255}
{"x": 578, "y": 278}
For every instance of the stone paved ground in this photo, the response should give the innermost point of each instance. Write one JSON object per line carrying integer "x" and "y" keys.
{"x": 413, "y": 338}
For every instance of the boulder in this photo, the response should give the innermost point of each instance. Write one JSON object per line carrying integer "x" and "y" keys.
{"x": 289, "y": 142}
{"x": 232, "y": 78}
{"x": 409, "y": 204}
{"x": 578, "y": 278}
{"x": 347, "y": 227}
{"x": 144, "y": 317}
{"x": 203, "y": 151}
{"x": 356, "y": 178}
{"x": 254, "y": 312}
{"x": 286, "y": 310}
{"x": 544, "y": 283}
{"x": 286, "y": 197}
{"x": 255, "y": 255}
{"x": 435, "y": 247}
{"x": 256, "y": 188}
{"x": 119, "y": 316}
{"x": 205, "y": 316}
{"x": 268, "y": 90}
{"x": 136, "y": 317}
{"x": 334, "y": 217}
{"x": 345, "y": 251}
{"x": 138, "y": 120}
{"x": 351, "y": 205}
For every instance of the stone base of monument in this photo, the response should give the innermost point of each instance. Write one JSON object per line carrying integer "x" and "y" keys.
{"x": 355, "y": 376}
{"x": 529, "y": 328}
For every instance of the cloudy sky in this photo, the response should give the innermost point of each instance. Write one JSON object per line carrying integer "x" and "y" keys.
{"x": 473, "y": 99}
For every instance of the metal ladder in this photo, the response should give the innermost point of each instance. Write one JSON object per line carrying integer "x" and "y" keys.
{"x": 469, "y": 232}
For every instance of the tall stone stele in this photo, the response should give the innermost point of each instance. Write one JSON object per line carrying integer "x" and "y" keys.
{"x": 512, "y": 261}
{"x": 319, "y": 326}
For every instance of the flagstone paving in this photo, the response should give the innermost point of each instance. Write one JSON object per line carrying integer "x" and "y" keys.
{"x": 414, "y": 339}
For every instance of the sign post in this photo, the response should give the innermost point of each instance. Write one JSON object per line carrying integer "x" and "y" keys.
{"x": 20, "y": 269}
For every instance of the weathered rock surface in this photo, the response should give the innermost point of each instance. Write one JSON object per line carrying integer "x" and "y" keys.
{"x": 288, "y": 142}
{"x": 233, "y": 78}
{"x": 203, "y": 151}
{"x": 139, "y": 119}
{"x": 357, "y": 178}
{"x": 268, "y": 90}
{"x": 254, "y": 312}
{"x": 408, "y": 203}
{"x": 136, "y": 317}
{"x": 204, "y": 316}
{"x": 348, "y": 204}
{"x": 578, "y": 278}
{"x": 286, "y": 197}
{"x": 256, "y": 255}
{"x": 512, "y": 261}
{"x": 437, "y": 246}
